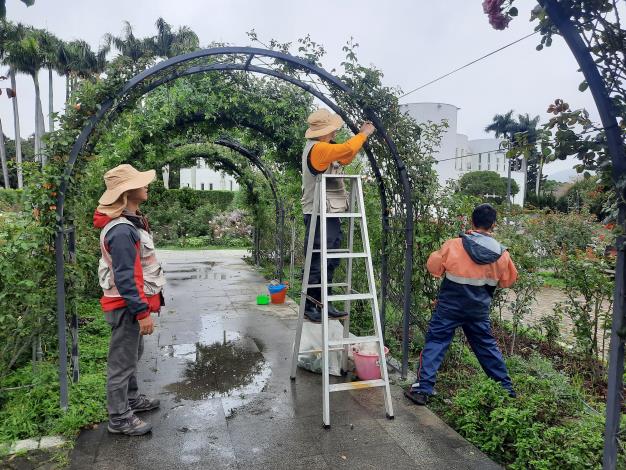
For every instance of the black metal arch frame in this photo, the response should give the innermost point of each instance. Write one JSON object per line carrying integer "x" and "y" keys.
{"x": 278, "y": 200}
{"x": 580, "y": 45}
{"x": 241, "y": 59}
{"x": 268, "y": 174}
{"x": 255, "y": 159}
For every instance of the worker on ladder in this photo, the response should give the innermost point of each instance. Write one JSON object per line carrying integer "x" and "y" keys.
{"x": 322, "y": 155}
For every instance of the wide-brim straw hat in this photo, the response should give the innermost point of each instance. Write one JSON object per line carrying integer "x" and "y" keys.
{"x": 322, "y": 122}
{"x": 123, "y": 178}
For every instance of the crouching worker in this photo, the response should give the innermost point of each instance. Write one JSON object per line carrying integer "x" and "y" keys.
{"x": 472, "y": 266}
{"x": 132, "y": 280}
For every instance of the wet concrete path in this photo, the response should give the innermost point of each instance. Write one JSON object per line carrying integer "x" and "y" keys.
{"x": 220, "y": 366}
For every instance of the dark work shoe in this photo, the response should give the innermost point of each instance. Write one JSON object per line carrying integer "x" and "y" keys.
{"x": 143, "y": 403}
{"x": 334, "y": 313}
{"x": 131, "y": 426}
{"x": 418, "y": 398}
{"x": 313, "y": 315}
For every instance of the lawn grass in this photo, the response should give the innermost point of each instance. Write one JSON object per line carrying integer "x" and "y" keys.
{"x": 550, "y": 280}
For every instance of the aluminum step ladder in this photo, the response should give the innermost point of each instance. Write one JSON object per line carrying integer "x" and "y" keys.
{"x": 356, "y": 211}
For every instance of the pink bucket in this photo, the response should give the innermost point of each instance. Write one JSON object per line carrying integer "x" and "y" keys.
{"x": 368, "y": 365}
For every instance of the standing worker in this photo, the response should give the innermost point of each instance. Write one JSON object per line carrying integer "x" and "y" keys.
{"x": 322, "y": 155}
{"x": 472, "y": 266}
{"x": 132, "y": 281}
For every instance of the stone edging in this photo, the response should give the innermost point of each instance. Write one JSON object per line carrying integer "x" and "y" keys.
{"x": 46, "y": 442}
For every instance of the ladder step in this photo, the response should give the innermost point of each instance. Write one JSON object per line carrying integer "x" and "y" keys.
{"x": 331, "y": 215}
{"x": 346, "y": 255}
{"x": 340, "y": 175}
{"x": 335, "y": 250}
{"x": 332, "y": 284}
{"x": 356, "y": 385}
{"x": 310, "y": 351}
{"x": 340, "y": 297}
{"x": 353, "y": 340}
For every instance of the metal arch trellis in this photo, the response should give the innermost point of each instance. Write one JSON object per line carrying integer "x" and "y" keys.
{"x": 278, "y": 200}
{"x": 287, "y": 68}
{"x": 584, "y": 32}
{"x": 267, "y": 173}
{"x": 255, "y": 159}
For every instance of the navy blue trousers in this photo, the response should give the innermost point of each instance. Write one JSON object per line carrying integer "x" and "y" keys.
{"x": 334, "y": 237}
{"x": 477, "y": 329}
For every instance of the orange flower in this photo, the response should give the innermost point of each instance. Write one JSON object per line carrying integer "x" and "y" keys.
{"x": 53, "y": 208}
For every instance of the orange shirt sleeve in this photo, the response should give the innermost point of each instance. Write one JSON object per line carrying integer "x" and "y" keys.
{"x": 436, "y": 260}
{"x": 324, "y": 153}
{"x": 509, "y": 271}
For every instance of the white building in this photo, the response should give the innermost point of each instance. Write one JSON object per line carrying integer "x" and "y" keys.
{"x": 458, "y": 154}
{"x": 206, "y": 179}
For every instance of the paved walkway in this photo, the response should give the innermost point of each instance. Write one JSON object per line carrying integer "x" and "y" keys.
{"x": 220, "y": 365}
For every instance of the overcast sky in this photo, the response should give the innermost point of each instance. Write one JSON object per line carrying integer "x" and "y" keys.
{"x": 413, "y": 42}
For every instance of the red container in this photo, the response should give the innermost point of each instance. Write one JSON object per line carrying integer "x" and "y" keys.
{"x": 279, "y": 297}
{"x": 278, "y": 293}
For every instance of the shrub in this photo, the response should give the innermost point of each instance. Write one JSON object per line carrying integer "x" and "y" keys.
{"x": 27, "y": 289}
{"x": 11, "y": 199}
{"x": 545, "y": 427}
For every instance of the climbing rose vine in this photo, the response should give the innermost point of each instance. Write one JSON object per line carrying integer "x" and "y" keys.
{"x": 498, "y": 18}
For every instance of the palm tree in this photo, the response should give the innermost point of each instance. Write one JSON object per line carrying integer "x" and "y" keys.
{"x": 50, "y": 45}
{"x": 168, "y": 44}
{"x": 9, "y": 33}
{"x": 504, "y": 125}
{"x": 527, "y": 129}
{"x": 3, "y": 157}
{"x": 130, "y": 46}
{"x": 3, "y": 150}
{"x": 27, "y": 56}
{"x": 3, "y": 7}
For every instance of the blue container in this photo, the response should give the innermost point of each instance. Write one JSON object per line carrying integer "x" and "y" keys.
{"x": 276, "y": 289}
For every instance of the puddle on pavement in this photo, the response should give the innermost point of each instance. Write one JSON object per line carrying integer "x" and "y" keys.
{"x": 222, "y": 364}
{"x": 189, "y": 271}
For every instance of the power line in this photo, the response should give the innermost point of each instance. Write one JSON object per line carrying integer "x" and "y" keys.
{"x": 468, "y": 64}
{"x": 504, "y": 150}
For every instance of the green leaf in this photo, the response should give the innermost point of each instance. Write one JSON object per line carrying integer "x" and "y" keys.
{"x": 513, "y": 11}
{"x": 583, "y": 86}
{"x": 539, "y": 47}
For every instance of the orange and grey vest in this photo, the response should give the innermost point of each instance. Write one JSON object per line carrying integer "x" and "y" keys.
{"x": 336, "y": 195}
{"x": 153, "y": 275}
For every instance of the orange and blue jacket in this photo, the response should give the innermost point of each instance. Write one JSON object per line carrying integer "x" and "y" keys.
{"x": 472, "y": 266}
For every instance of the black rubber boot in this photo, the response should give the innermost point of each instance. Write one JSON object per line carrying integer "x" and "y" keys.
{"x": 312, "y": 313}
{"x": 334, "y": 313}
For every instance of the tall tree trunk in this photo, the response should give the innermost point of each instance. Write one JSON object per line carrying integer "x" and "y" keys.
{"x": 538, "y": 176}
{"x": 3, "y": 158}
{"x": 50, "y": 101}
{"x": 39, "y": 123}
{"x": 67, "y": 89}
{"x": 18, "y": 137}
{"x": 525, "y": 170}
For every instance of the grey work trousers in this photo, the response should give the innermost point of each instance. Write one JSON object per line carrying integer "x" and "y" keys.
{"x": 125, "y": 350}
{"x": 334, "y": 237}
